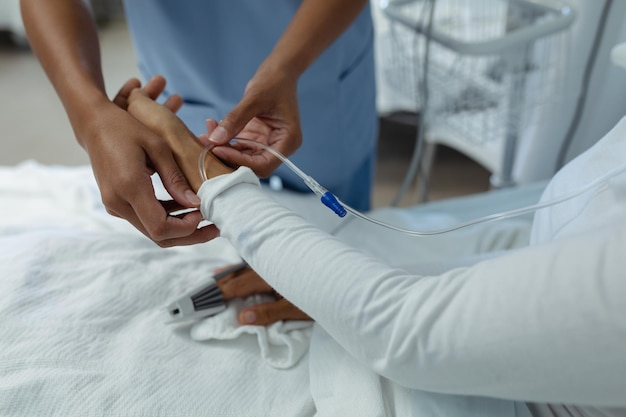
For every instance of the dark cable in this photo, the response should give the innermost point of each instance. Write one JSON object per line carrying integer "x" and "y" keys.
{"x": 415, "y": 165}
{"x": 582, "y": 98}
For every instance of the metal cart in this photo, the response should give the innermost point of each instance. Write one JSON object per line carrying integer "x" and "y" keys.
{"x": 489, "y": 65}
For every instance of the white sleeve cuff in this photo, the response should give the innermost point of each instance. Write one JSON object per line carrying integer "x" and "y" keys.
{"x": 213, "y": 187}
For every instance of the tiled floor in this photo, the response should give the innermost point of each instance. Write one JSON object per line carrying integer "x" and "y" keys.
{"x": 34, "y": 125}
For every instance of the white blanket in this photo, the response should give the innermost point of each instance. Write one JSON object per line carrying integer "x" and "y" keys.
{"x": 83, "y": 333}
{"x": 83, "y": 329}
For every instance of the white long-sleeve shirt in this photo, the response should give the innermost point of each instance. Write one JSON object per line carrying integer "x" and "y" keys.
{"x": 543, "y": 324}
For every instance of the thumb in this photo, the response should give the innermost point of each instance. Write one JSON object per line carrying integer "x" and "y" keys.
{"x": 173, "y": 179}
{"x": 268, "y": 313}
{"x": 234, "y": 122}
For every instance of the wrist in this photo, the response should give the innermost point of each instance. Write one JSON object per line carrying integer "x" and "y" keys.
{"x": 280, "y": 68}
{"x": 87, "y": 116}
{"x": 187, "y": 152}
{"x": 188, "y": 159}
{"x": 214, "y": 167}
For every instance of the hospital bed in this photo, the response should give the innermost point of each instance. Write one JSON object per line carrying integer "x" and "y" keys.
{"x": 83, "y": 328}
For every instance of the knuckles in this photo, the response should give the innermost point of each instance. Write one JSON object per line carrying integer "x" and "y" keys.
{"x": 112, "y": 202}
{"x": 167, "y": 243}
{"x": 175, "y": 177}
{"x": 158, "y": 233}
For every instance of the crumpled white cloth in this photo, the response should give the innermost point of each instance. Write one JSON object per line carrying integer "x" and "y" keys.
{"x": 281, "y": 344}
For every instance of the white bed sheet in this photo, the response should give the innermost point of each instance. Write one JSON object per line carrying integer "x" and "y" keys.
{"x": 82, "y": 328}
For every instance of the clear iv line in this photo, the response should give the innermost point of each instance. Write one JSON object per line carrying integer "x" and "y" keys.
{"x": 340, "y": 208}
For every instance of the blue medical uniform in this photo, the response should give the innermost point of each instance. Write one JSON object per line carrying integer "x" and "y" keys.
{"x": 209, "y": 49}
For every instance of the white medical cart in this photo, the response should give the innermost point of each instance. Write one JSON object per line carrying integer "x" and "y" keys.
{"x": 491, "y": 64}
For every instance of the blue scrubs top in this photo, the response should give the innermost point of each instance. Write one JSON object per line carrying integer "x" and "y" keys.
{"x": 209, "y": 49}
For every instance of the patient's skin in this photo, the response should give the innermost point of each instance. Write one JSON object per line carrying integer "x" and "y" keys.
{"x": 183, "y": 143}
{"x": 162, "y": 120}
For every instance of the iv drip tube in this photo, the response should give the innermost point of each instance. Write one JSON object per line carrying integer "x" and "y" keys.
{"x": 340, "y": 208}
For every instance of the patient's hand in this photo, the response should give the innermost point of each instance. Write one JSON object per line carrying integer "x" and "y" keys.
{"x": 185, "y": 146}
{"x": 245, "y": 283}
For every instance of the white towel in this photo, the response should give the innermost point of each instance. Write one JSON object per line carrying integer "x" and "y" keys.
{"x": 281, "y": 344}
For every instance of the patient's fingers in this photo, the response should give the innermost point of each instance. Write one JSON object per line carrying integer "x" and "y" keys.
{"x": 268, "y": 313}
{"x": 174, "y": 102}
{"x": 154, "y": 87}
{"x": 247, "y": 282}
{"x": 155, "y": 116}
{"x": 243, "y": 284}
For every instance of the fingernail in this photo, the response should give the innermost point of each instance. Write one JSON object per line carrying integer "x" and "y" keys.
{"x": 203, "y": 139}
{"x": 219, "y": 135}
{"x": 217, "y": 151}
{"x": 248, "y": 317}
{"x": 192, "y": 197}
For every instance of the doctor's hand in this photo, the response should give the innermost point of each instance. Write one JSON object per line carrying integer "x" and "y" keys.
{"x": 267, "y": 113}
{"x": 124, "y": 153}
{"x": 186, "y": 149}
{"x": 245, "y": 283}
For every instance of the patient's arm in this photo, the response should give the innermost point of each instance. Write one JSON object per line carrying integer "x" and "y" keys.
{"x": 543, "y": 324}
{"x": 183, "y": 143}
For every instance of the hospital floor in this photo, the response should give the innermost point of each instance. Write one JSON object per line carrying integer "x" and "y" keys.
{"x": 35, "y": 127}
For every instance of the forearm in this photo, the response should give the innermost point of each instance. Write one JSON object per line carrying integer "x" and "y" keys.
{"x": 315, "y": 26}
{"x": 64, "y": 37}
{"x": 540, "y": 324}
{"x": 543, "y": 324}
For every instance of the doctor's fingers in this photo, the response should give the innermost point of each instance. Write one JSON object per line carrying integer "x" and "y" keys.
{"x": 177, "y": 230}
{"x": 268, "y": 313}
{"x": 262, "y": 163}
{"x": 203, "y": 138}
{"x": 128, "y": 192}
{"x": 166, "y": 230}
{"x": 121, "y": 98}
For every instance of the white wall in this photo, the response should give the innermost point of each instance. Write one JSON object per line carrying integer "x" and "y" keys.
{"x": 606, "y": 101}
{"x": 540, "y": 145}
